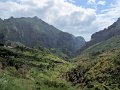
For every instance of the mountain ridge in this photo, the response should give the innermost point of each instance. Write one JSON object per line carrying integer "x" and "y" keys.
{"x": 34, "y": 31}
{"x": 105, "y": 34}
{"x": 98, "y": 65}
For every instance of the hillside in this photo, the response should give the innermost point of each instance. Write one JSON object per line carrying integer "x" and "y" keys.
{"x": 22, "y": 68}
{"x": 59, "y": 44}
{"x": 33, "y": 32}
{"x": 41, "y": 68}
{"x": 103, "y": 35}
{"x": 98, "y": 67}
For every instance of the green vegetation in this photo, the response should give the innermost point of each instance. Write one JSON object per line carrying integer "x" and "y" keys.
{"x": 98, "y": 67}
{"x": 22, "y": 68}
{"x": 112, "y": 43}
{"x": 38, "y": 68}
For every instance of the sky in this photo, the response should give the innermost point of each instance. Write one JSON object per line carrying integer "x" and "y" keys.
{"x": 78, "y": 17}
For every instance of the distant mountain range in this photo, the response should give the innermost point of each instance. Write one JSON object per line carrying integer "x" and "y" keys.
{"x": 34, "y": 32}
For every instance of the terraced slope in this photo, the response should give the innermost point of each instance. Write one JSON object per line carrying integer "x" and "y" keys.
{"x": 23, "y": 68}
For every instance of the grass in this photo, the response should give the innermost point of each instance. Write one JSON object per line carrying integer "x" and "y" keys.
{"x": 98, "y": 67}
{"x": 31, "y": 69}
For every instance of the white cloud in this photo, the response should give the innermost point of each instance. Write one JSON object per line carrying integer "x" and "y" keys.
{"x": 97, "y": 2}
{"x": 92, "y": 1}
{"x": 62, "y": 14}
{"x": 72, "y": 1}
{"x": 101, "y": 2}
{"x": 108, "y": 16}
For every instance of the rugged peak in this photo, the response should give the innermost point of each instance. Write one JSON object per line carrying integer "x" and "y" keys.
{"x": 32, "y": 31}
{"x": 11, "y": 17}
{"x": 35, "y": 17}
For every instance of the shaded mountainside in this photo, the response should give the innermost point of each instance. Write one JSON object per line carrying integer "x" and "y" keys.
{"x": 103, "y": 35}
{"x": 98, "y": 67}
{"x": 35, "y": 32}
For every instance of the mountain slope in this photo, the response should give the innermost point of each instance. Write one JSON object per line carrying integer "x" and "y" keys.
{"x": 22, "y": 68}
{"x": 103, "y": 35}
{"x": 98, "y": 67}
{"x": 35, "y": 32}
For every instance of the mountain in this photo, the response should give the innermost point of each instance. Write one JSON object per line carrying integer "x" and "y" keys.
{"x": 34, "y": 32}
{"x": 103, "y": 35}
{"x": 98, "y": 66}
{"x": 26, "y": 68}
